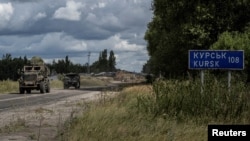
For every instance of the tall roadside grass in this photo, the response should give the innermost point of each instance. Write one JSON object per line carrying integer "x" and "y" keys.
{"x": 119, "y": 118}
{"x": 56, "y": 84}
{"x": 184, "y": 100}
{"x": 167, "y": 110}
{"x": 8, "y": 86}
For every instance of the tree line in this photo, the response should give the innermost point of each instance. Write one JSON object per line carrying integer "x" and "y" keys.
{"x": 9, "y": 65}
{"x": 181, "y": 25}
{"x": 105, "y": 63}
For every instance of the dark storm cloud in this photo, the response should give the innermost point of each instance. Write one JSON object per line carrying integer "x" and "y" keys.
{"x": 56, "y": 28}
{"x": 24, "y": 0}
{"x": 105, "y": 22}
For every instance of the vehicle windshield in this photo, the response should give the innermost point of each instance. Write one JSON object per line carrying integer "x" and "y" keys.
{"x": 71, "y": 76}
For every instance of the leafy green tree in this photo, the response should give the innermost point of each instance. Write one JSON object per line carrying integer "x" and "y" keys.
{"x": 95, "y": 67}
{"x": 104, "y": 63}
{"x": 236, "y": 41}
{"x": 111, "y": 61}
{"x": 9, "y": 66}
{"x": 67, "y": 64}
{"x": 181, "y": 25}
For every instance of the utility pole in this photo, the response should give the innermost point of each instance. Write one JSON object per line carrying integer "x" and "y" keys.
{"x": 88, "y": 62}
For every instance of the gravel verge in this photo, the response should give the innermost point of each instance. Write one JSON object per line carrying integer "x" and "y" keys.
{"x": 41, "y": 122}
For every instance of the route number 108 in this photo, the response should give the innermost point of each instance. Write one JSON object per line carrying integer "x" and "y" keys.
{"x": 233, "y": 59}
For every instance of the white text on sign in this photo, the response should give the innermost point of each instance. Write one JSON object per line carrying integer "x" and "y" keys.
{"x": 206, "y": 64}
{"x": 212, "y": 55}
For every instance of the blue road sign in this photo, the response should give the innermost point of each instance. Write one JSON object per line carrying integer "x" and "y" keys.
{"x": 216, "y": 59}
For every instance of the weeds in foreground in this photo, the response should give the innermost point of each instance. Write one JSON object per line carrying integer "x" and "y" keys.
{"x": 8, "y": 86}
{"x": 184, "y": 100}
{"x": 167, "y": 110}
{"x": 14, "y": 126}
{"x": 119, "y": 119}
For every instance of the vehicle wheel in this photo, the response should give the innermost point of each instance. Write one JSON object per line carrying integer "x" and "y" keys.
{"x": 21, "y": 90}
{"x": 42, "y": 87}
{"x": 48, "y": 88}
{"x": 28, "y": 91}
{"x": 78, "y": 85}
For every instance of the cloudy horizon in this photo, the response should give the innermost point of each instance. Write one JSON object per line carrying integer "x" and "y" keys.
{"x": 73, "y": 28}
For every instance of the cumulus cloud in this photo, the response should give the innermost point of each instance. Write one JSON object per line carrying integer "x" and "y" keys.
{"x": 123, "y": 45}
{"x": 78, "y": 47}
{"x": 57, "y": 43}
{"x": 40, "y": 15}
{"x": 131, "y": 60}
{"x": 98, "y": 5}
{"x": 70, "y": 12}
{"x": 53, "y": 30}
{"x": 6, "y": 11}
{"x": 107, "y": 21}
{"x": 128, "y": 56}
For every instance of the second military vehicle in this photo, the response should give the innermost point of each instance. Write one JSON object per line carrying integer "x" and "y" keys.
{"x": 34, "y": 77}
{"x": 71, "y": 80}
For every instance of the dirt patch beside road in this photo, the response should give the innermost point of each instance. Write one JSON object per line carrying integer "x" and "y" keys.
{"x": 42, "y": 122}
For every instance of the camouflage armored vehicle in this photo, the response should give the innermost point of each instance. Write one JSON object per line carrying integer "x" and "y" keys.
{"x": 71, "y": 80}
{"x": 34, "y": 77}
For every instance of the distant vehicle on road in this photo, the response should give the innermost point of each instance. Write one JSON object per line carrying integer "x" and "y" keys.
{"x": 71, "y": 80}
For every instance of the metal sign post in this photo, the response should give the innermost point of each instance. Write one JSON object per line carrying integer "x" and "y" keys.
{"x": 202, "y": 80}
{"x": 229, "y": 80}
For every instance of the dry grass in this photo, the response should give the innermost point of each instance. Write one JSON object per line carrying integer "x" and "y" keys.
{"x": 56, "y": 84}
{"x": 169, "y": 110}
{"x": 119, "y": 119}
{"x": 93, "y": 81}
{"x": 8, "y": 86}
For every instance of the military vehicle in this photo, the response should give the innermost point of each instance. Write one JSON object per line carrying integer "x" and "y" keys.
{"x": 34, "y": 77}
{"x": 71, "y": 80}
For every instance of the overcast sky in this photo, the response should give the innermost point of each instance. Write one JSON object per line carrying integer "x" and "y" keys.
{"x": 53, "y": 29}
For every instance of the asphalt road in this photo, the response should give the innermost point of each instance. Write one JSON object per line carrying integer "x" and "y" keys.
{"x": 13, "y": 100}
{"x": 42, "y": 116}
{"x": 25, "y": 117}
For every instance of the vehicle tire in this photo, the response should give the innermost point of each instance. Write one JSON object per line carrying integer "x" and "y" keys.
{"x": 48, "y": 88}
{"x": 42, "y": 87}
{"x": 21, "y": 90}
{"x": 28, "y": 91}
{"x": 78, "y": 85}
